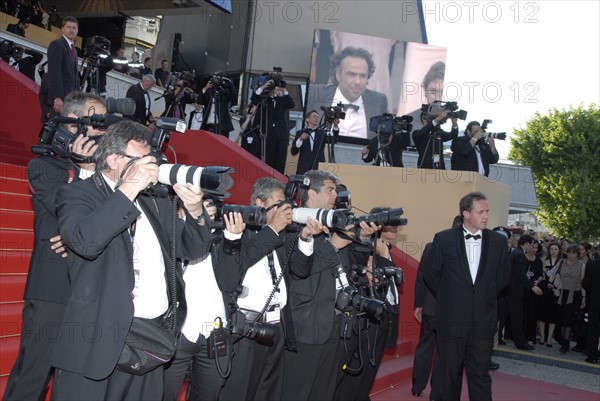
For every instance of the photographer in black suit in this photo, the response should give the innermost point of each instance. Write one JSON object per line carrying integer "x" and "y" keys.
{"x": 310, "y": 143}
{"x": 48, "y": 287}
{"x": 474, "y": 151}
{"x": 393, "y": 137}
{"x": 25, "y": 65}
{"x": 139, "y": 93}
{"x": 430, "y": 139}
{"x": 216, "y": 97}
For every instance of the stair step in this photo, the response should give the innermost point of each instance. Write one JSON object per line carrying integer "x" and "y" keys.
{"x": 13, "y": 287}
{"x": 16, "y": 219}
{"x": 16, "y": 201}
{"x": 8, "y": 354}
{"x": 10, "y": 319}
{"x": 14, "y": 185}
{"x": 16, "y": 239}
{"x": 14, "y": 261}
{"x": 13, "y": 171}
{"x": 393, "y": 372}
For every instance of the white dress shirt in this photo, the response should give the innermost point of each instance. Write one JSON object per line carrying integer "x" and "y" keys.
{"x": 473, "y": 249}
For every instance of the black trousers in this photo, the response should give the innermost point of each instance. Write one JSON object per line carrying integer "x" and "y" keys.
{"x": 465, "y": 346}
{"x": 424, "y": 359}
{"x": 205, "y": 383}
{"x": 515, "y": 312}
{"x": 256, "y": 371}
{"x": 31, "y": 372}
{"x": 593, "y": 332}
{"x": 310, "y": 373}
{"x": 119, "y": 386}
{"x": 277, "y": 149}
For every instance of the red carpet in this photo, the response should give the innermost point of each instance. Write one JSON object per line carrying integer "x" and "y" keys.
{"x": 504, "y": 388}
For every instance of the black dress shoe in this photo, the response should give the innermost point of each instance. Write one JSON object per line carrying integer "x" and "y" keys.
{"x": 493, "y": 366}
{"x": 415, "y": 394}
{"x": 590, "y": 360}
{"x": 525, "y": 347}
{"x": 501, "y": 342}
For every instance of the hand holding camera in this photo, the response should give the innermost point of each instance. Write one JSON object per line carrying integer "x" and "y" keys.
{"x": 191, "y": 197}
{"x": 138, "y": 176}
{"x": 84, "y": 146}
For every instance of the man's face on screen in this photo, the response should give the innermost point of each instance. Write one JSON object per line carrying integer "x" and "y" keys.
{"x": 353, "y": 77}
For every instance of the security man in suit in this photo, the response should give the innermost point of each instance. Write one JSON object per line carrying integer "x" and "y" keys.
{"x": 47, "y": 288}
{"x": 474, "y": 151}
{"x": 466, "y": 271}
{"x": 139, "y": 93}
{"x": 62, "y": 64}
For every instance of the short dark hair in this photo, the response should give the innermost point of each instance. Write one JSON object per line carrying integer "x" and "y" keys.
{"x": 437, "y": 71}
{"x": 525, "y": 239}
{"x": 310, "y": 112}
{"x": 359, "y": 52}
{"x": 264, "y": 187}
{"x": 317, "y": 180}
{"x": 147, "y": 58}
{"x": 116, "y": 139}
{"x": 69, "y": 18}
{"x": 574, "y": 247}
{"x": 466, "y": 203}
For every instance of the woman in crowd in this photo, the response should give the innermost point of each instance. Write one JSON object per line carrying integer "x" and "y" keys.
{"x": 548, "y": 306}
{"x": 570, "y": 273}
{"x": 535, "y": 274}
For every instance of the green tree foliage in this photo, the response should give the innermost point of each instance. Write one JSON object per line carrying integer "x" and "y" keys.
{"x": 563, "y": 150}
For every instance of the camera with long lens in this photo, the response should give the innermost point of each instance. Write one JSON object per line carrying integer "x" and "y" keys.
{"x": 251, "y": 215}
{"x": 387, "y": 273}
{"x": 437, "y": 107}
{"x": 261, "y": 333}
{"x": 124, "y": 106}
{"x": 55, "y": 140}
{"x": 496, "y": 135}
{"x": 385, "y": 218}
{"x": 350, "y": 301}
{"x": 334, "y": 112}
{"x": 213, "y": 180}
{"x": 328, "y": 217}
{"x": 8, "y": 49}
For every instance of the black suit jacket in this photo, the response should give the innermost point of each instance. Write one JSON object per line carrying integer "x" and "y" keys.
{"x": 48, "y": 278}
{"x": 136, "y": 92}
{"x": 464, "y": 156}
{"x": 94, "y": 222}
{"x": 375, "y": 103}
{"x": 423, "y": 296}
{"x": 425, "y": 144}
{"x": 309, "y": 159}
{"x": 223, "y": 101}
{"x": 591, "y": 284}
{"x": 312, "y": 298}
{"x": 460, "y": 303}
{"x": 62, "y": 70}
{"x": 274, "y": 112}
{"x": 27, "y": 64}
{"x": 519, "y": 282}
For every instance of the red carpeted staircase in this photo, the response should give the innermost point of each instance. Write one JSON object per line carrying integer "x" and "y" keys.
{"x": 16, "y": 239}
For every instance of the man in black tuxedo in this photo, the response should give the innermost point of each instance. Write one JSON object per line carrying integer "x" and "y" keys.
{"x": 591, "y": 285}
{"x": 430, "y": 139}
{"x": 310, "y": 143}
{"x": 519, "y": 283}
{"x": 386, "y": 149}
{"x": 103, "y": 221}
{"x": 19, "y": 27}
{"x": 25, "y": 65}
{"x": 353, "y": 67}
{"x": 257, "y": 369}
{"x": 473, "y": 151}
{"x": 271, "y": 116}
{"x": 139, "y": 93}
{"x": 47, "y": 287}
{"x": 62, "y": 64}
{"x": 216, "y": 97}
{"x": 466, "y": 270}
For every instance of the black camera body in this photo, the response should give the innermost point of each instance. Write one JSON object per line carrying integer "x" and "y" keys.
{"x": 389, "y": 124}
{"x": 277, "y": 77}
{"x": 348, "y": 300}
{"x": 8, "y": 49}
{"x": 434, "y": 109}
{"x": 333, "y": 112}
{"x": 496, "y": 135}
{"x": 387, "y": 273}
{"x": 261, "y": 333}
{"x": 385, "y": 218}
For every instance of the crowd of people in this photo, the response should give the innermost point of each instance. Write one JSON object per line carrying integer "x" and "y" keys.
{"x": 278, "y": 308}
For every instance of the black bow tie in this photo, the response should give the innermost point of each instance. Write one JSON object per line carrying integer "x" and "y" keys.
{"x": 469, "y": 236}
{"x": 351, "y": 106}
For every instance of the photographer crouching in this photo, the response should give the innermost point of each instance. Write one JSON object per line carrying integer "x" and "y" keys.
{"x": 476, "y": 150}
{"x": 119, "y": 239}
{"x": 216, "y": 97}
